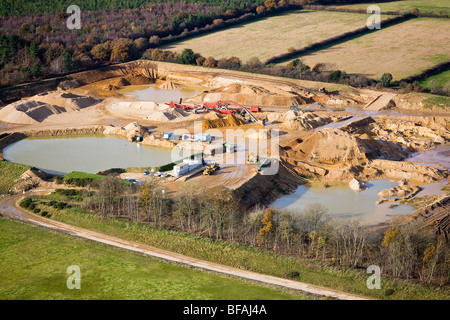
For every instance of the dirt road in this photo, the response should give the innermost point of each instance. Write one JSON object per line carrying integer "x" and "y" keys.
{"x": 9, "y": 208}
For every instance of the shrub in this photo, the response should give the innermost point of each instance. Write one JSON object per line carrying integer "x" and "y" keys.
{"x": 61, "y": 205}
{"x": 25, "y": 203}
{"x": 386, "y": 79}
{"x": 293, "y": 274}
{"x": 389, "y": 292}
{"x": 44, "y": 213}
{"x": 187, "y": 56}
{"x": 37, "y": 210}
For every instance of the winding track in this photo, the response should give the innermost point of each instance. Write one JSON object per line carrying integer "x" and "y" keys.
{"x": 9, "y": 208}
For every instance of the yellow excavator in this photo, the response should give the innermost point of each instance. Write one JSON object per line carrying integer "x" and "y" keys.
{"x": 252, "y": 159}
{"x": 211, "y": 169}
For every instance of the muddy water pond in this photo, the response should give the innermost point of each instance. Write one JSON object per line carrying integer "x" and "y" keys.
{"x": 85, "y": 153}
{"x": 156, "y": 94}
{"x": 343, "y": 202}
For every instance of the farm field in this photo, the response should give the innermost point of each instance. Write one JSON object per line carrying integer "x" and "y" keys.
{"x": 402, "y": 50}
{"x": 440, "y": 79}
{"x": 252, "y": 259}
{"x": 34, "y": 263}
{"x": 424, "y": 6}
{"x": 272, "y": 36}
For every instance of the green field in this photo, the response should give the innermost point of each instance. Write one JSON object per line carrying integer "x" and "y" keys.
{"x": 310, "y": 271}
{"x": 9, "y": 173}
{"x": 403, "y": 50}
{"x": 272, "y": 36}
{"x": 425, "y": 6}
{"x": 440, "y": 79}
{"x": 34, "y": 261}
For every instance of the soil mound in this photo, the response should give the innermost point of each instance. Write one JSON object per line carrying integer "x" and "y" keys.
{"x": 303, "y": 121}
{"x": 229, "y": 121}
{"x": 329, "y": 146}
{"x": 66, "y": 100}
{"x": 28, "y": 112}
{"x": 166, "y": 115}
{"x": 250, "y": 94}
{"x": 121, "y": 82}
{"x": 169, "y": 85}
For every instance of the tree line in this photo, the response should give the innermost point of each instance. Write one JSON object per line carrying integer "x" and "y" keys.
{"x": 402, "y": 251}
{"x": 123, "y": 33}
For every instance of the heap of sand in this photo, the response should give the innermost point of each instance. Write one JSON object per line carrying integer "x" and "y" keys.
{"x": 166, "y": 115}
{"x": 66, "y": 100}
{"x": 230, "y": 120}
{"x": 28, "y": 112}
{"x": 305, "y": 121}
{"x": 329, "y": 146}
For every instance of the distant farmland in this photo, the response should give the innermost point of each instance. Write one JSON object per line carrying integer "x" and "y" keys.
{"x": 272, "y": 36}
{"x": 402, "y": 50}
{"x": 425, "y": 6}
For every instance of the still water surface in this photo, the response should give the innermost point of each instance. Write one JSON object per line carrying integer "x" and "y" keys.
{"x": 86, "y": 153}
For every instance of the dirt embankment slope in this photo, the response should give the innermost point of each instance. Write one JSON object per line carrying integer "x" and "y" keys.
{"x": 369, "y": 149}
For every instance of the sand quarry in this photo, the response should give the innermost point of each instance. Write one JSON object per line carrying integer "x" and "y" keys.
{"x": 325, "y": 143}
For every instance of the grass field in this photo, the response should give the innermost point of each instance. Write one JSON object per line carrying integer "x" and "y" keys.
{"x": 274, "y": 35}
{"x": 310, "y": 271}
{"x": 9, "y": 173}
{"x": 34, "y": 261}
{"x": 440, "y": 79}
{"x": 403, "y": 50}
{"x": 425, "y": 6}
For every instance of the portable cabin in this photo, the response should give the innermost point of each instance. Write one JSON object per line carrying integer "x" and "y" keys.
{"x": 202, "y": 137}
{"x": 168, "y": 135}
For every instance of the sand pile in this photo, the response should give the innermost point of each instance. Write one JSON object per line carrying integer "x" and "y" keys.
{"x": 66, "y": 100}
{"x": 259, "y": 135}
{"x": 249, "y": 94}
{"x": 329, "y": 146}
{"x": 303, "y": 121}
{"x": 230, "y": 120}
{"x": 166, "y": 115}
{"x": 169, "y": 85}
{"x": 120, "y": 82}
{"x": 147, "y": 110}
{"x": 28, "y": 112}
{"x": 131, "y": 130}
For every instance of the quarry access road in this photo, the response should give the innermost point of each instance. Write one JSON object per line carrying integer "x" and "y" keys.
{"x": 9, "y": 208}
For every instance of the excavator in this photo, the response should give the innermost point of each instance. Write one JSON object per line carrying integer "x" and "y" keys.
{"x": 211, "y": 169}
{"x": 252, "y": 159}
